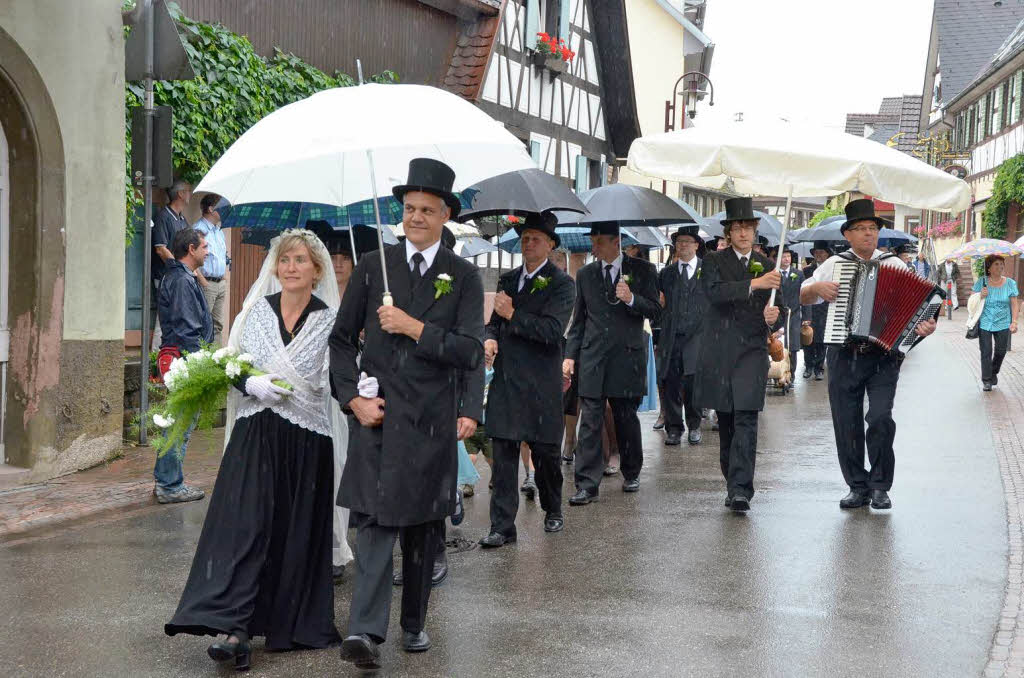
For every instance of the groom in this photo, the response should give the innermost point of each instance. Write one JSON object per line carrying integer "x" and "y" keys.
{"x": 400, "y": 476}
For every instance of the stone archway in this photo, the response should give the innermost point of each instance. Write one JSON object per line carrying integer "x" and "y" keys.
{"x": 37, "y": 213}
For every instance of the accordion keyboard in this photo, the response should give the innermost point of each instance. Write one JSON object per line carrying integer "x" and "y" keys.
{"x": 837, "y": 329}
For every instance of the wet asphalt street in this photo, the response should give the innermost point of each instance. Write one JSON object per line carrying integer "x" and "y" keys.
{"x": 666, "y": 582}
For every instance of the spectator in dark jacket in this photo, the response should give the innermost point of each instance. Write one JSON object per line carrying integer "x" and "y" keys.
{"x": 186, "y": 324}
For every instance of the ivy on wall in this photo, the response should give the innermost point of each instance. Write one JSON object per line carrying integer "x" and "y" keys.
{"x": 824, "y": 214}
{"x": 234, "y": 88}
{"x": 1008, "y": 187}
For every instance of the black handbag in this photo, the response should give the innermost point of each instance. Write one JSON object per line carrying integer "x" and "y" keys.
{"x": 973, "y": 332}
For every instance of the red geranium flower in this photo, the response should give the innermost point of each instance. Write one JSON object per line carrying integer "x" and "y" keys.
{"x": 513, "y": 220}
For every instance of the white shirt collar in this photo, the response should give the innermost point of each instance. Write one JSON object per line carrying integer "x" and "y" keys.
{"x": 691, "y": 264}
{"x": 429, "y": 254}
{"x": 530, "y": 274}
{"x": 749, "y": 255}
{"x": 616, "y": 266}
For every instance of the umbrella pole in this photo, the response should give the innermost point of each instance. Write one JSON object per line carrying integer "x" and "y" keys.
{"x": 352, "y": 241}
{"x": 782, "y": 238}
{"x": 388, "y": 301}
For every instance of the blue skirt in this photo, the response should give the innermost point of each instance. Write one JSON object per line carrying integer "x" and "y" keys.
{"x": 650, "y": 401}
{"x": 467, "y": 472}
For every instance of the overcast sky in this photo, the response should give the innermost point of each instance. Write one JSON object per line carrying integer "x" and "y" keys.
{"x": 813, "y": 61}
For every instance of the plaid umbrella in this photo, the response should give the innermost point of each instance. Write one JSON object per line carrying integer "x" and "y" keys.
{"x": 574, "y": 239}
{"x": 282, "y": 215}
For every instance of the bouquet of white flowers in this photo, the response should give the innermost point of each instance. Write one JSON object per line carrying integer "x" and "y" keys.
{"x": 197, "y": 388}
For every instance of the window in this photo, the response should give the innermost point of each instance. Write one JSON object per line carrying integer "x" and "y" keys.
{"x": 996, "y": 109}
{"x": 532, "y": 27}
{"x": 582, "y": 174}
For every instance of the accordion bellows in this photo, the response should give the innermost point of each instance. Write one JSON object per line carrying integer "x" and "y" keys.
{"x": 879, "y": 304}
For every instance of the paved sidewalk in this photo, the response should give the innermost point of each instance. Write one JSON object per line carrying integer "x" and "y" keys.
{"x": 1005, "y": 409}
{"x": 119, "y": 485}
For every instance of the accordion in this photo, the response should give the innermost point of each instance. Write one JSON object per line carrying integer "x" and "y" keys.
{"x": 880, "y": 305}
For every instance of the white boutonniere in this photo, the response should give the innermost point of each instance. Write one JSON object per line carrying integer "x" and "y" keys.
{"x": 442, "y": 286}
{"x": 539, "y": 283}
{"x": 628, "y": 279}
{"x": 792, "y": 276}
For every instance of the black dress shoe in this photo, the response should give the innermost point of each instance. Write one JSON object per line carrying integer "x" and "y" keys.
{"x": 361, "y": 651}
{"x": 807, "y": 373}
{"x": 554, "y": 523}
{"x": 694, "y": 436}
{"x": 568, "y": 460}
{"x": 495, "y": 540}
{"x": 819, "y": 375}
{"x": 854, "y": 500}
{"x": 728, "y": 500}
{"x": 995, "y": 379}
{"x": 582, "y": 498}
{"x": 238, "y": 650}
{"x": 740, "y": 504}
{"x": 631, "y": 485}
{"x": 672, "y": 438}
{"x": 396, "y": 578}
{"x": 415, "y": 642}
{"x": 338, "y": 572}
{"x": 880, "y": 499}
{"x": 986, "y": 386}
{"x": 440, "y": 571}
{"x": 660, "y": 424}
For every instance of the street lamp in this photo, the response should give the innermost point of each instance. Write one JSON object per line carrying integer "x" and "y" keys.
{"x": 692, "y": 94}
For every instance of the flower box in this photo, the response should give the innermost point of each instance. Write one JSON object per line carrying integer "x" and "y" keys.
{"x": 553, "y": 63}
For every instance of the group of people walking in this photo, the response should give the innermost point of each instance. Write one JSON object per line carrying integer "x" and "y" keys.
{"x": 394, "y": 374}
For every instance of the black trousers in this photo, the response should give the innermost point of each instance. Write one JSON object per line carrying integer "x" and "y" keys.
{"x": 505, "y": 474}
{"x": 589, "y": 454}
{"x": 990, "y": 363}
{"x": 737, "y": 450}
{"x": 372, "y": 589}
{"x": 851, "y": 376}
{"x": 815, "y": 358}
{"x": 679, "y": 394}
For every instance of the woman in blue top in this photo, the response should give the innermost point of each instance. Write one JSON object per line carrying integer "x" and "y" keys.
{"x": 998, "y": 320}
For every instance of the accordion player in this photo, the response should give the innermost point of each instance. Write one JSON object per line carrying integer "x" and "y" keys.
{"x": 879, "y": 305}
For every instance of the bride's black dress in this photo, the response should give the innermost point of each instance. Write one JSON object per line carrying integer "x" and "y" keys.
{"x": 263, "y": 562}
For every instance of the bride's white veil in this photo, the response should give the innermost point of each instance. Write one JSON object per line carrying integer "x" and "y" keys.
{"x": 266, "y": 284}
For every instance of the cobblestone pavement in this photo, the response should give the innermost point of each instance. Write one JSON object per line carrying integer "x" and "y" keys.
{"x": 1004, "y": 406}
{"x": 122, "y": 484}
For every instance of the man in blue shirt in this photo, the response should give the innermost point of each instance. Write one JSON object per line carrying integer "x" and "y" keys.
{"x": 213, "y": 275}
{"x": 186, "y": 325}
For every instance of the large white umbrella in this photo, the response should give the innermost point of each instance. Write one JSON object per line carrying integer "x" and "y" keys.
{"x": 349, "y": 144}
{"x": 777, "y": 159}
{"x": 315, "y": 150}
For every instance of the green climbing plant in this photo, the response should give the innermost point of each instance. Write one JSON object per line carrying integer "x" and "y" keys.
{"x": 822, "y": 215}
{"x": 1008, "y": 187}
{"x": 234, "y": 88}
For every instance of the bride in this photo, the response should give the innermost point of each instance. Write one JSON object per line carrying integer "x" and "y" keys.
{"x": 263, "y": 563}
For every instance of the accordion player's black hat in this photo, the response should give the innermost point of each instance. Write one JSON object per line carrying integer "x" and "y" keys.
{"x": 860, "y": 210}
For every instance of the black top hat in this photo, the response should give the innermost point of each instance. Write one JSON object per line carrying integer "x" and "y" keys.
{"x": 739, "y": 209}
{"x": 859, "y": 210}
{"x": 822, "y": 245}
{"x": 336, "y": 242}
{"x": 908, "y": 248}
{"x": 604, "y": 228}
{"x": 544, "y": 222}
{"x": 692, "y": 230}
{"x": 430, "y": 176}
{"x": 447, "y": 238}
{"x": 762, "y": 241}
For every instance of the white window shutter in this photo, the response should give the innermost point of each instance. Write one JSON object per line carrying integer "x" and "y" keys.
{"x": 535, "y": 152}
{"x": 564, "y": 20}
{"x": 581, "y": 173}
{"x": 604, "y": 173}
{"x": 532, "y": 23}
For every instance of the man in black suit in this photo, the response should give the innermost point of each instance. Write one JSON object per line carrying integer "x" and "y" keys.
{"x": 400, "y": 476}
{"x": 815, "y": 316}
{"x": 734, "y": 363}
{"x": 524, "y": 340}
{"x": 681, "y": 322}
{"x": 792, "y": 278}
{"x": 614, "y": 294}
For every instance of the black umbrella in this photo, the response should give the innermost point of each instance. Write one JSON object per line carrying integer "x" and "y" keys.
{"x": 628, "y": 206}
{"x": 521, "y": 193}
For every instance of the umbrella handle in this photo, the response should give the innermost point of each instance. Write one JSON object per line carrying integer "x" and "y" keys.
{"x": 388, "y": 300}
{"x": 380, "y": 236}
{"x": 782, "y": 239}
